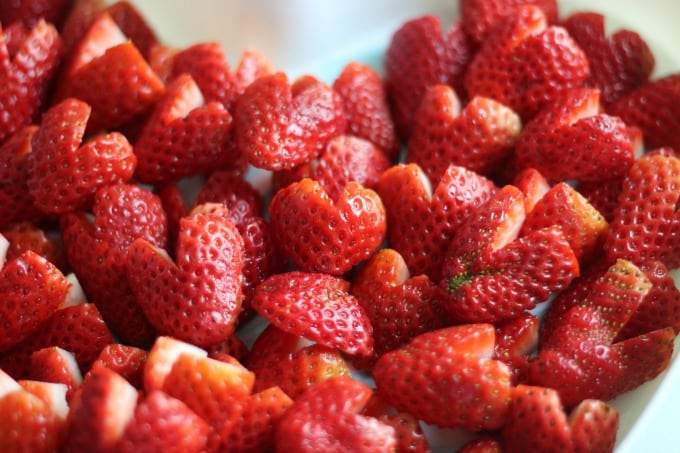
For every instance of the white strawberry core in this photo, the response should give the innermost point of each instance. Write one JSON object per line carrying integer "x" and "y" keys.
{"x": 75, "y": 295}
{"x": 120, "y": 407}
{"x": 512, "y": 224}
{"x": 7, "y": 384}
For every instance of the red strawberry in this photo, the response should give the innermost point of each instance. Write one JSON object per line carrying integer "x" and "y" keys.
{"x": 162, "y": 356}
{"x": 184, "y": 136}
{"x": 288, "y": 361}
{"x": 516, "y": 340}
{"x": 421, "y": 54}
{"x": 128, "y": 361}
{"x": 238, "y": 194}
{"x": 77, "y": 21}
{"x": 618, "y": 63}
{"x": 163, "y": 423}
{"x": 602, "y": 195}
{"x": 525, "y": 64}
{"x": 482, "y": 444}
{"x": 60, "y": 160}
{"x": 299, "y": 120}
{"x": 31, "y": 289}
{"x": 646, "y": 218}
{"x": 252, "y": 65}
{"x": 491, "y": 275}
{"x": 317, "y": 307}
{"x": 327, "y": 417}
{"x": 480, "y": 17}
{"x": 447, "y": 377}
{"x": 573, "y": 140}
{"x": 31, "y": 11}
{"x": 479, "y": 137}
{"x": 660, "y": 124}
{"x": 421, "y": 221}
{"x": 398, "y": 305}
{"x": 533, "y": 185}
{"x": 57, "y": 365}
{"x": 25, "y": 236}
{"x": 537, "y": 422}
{"x": 346, "y": 158}
{"x": 232, "y": 346}
{"x": 133, "y": 25}
{"x": 52, "y": 394}
{"x": 26, "y": 76}
{"x": 365, "y": 103}
{"x": 323, "y": 234}
{"x": 196, "y": 297}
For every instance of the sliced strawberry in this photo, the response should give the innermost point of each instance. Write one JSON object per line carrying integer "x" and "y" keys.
{"x": 238, "y": 194}
{"x": 162, "y": 356}
{"x": 128, "y": 361}
{"x": 25, "y": 236}
{"x": 323, "y": 234}
{"x": 317, "y": 307}
{"x": 233, "y": 347}
{"x": 365, "y": 103}
{"x": 479, "y": 137}
{"x": 57, "y": 365}
{"x": 516, "y": 340}
{"x": 327, "y": 416}
{"x": 78, "y": 20}
{"x": 163, "y": 423}
{"x": 31, "y": 11}
{"x": 482, "y": 444}
{"x": 524, "y": 64}
{"x": 447, "y": 377}
{"x": 537, "y": 422}
{"x": 289, "y": 362}
{"x": 26, "y": 76}
{"x": 421, "y": 54}
{"x": 299, "y": 120}
{"x": 602, "y": 195}
{"x": 52, "y": 394}
{"x": 533, "y": 185}
{"x": 133, "y": 25}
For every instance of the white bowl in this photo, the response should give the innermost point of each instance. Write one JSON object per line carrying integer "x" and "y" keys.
{"x": 318, "y": 37}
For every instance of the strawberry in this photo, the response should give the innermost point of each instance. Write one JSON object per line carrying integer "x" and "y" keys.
{"x": 408, "y": 432}
{"x": 323, "y": 234}
{"x": 128, "y": 361}
{"x": 299, "y": 120}
{"x": 618, "y": 63}
{"x": 162, "y": 356}
{"x": 537, "y": 422}
{"x": 660, "y": 124}
{"x": 516, "y": 340}
{"x": 26, "y": 76}
{"x": 60, "y": 159}
{"x": 317, "y": 307}
{"x": 365, "y": 103}
{"x": 196, "y": 297}
{"x": 50, "y": 393}
{"x": 645, "y": 220}
{"x": 583, "y": 226}
{"x": 399, "y": 306}
{"x": 480, "y": 17}
{"x": 32, "y": 289}
{"x": 448, "y": 377}
{"x": 602, "y": 195}
{"x": 252, "y": 65}
{"x": 573, "y": 140}
{"x": 133, "y": 25}
{"x": 31, "y": 11}
{"x": 184, "y": 136}
{"x": 238, "y": 194}
{"x": 327, "y": 417}
{"x": 232, "y": 346}
{"x": 479, "y": 137}
{"x": 77, "y": 21}
{"x": 56, "y": 365}
{"x": 421, "y": 221}
{"x": 421, "y": 54}
{"x": 100, "y": 413}
{"x": 482, "y": 444}
{"x": 346, "y": 158}
{"x": 491, "y": 275}
{"x": 533, "y": 185}
{"x": 285, "y": 360}
{"x": 163, "y": 423}
{"x": 25, "y": 236}
{"x": 524, "y": 63}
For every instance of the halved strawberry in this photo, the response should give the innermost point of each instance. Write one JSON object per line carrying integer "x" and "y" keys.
{"x": 533, "y": 185}
{"x": 479, "y": 137}
{"x": 162, "y": 356}
{"x": 128, "y": 361}
{"x": 197, "y": 296}
{"x": 448, "y": 377}
{"x": 133, "y": 25}
{"x": 55, "y": 364}
{"x": 23, "y": 236}
{"x": 238, "y": 194}
{"x": 278, "y": 126}
{"x": 516, "y": 340}
{"x": 51, "y": 393}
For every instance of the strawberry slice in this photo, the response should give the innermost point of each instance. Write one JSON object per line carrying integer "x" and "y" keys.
{"x": 196, "y": 297}
{"x": 57, "y": 365}
{"x": 421, "y": 221}
{"x": 52, "y": 394}
{"x": 28, "y": 423}
{"x": 448, "y": 377}
{"x": 479, "y": 137}
{"x": 162, "y": 356}
{"x": 128, "y": 361}
{"x": 279, "y": 126}
{"x": 24, "y": 236}
{"x": 533, "y": 185}
{"x": 133, "y": 25}
{"x": 323, "y": 234}
{"x": 327, "y": 417}
{"x": 573, "y": 140}
{"x": 516, "y": 340}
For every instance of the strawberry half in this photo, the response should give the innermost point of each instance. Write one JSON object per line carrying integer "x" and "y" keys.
{"x": 128, "y": 361}
{"x": 24, "y": 236}
{"x": 55, "y": 364}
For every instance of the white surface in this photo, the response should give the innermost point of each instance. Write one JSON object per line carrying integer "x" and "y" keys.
{"x": 320, "y": 36}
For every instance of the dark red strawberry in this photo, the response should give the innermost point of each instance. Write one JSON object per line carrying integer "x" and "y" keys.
{"x": 524, "y": 64}
{"x": 64, "y": 172}
{"x": 573, "y": 140}
{"x": 29, "y": 12}
{"x": 127, "y": 361}
{"x": 479, "y": 17}
{"x": 421, "y": 54}
{"x": 327, "y": 417}
{"x": 491, "y": 275}
{"x": 133, "y": 25}
{"x": 537, "y": 422}
{"x": 479, "y": 137}
{"x": 290, "y": 362}
{"x": 299, "y": 120}
{"x": 26, "y": 76}
{"x": 323, "y": 234}
{"x": 197, "y": 296}
{"x": 447, "y": 377}
{"x": 184, "y": 136}
{"x": 57, "y": 365}
{"x": 365, "y": 103}
{"x": 618, "y": 63}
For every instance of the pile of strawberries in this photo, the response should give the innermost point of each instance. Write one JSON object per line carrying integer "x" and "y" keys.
{"x": 420, "y": 215}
